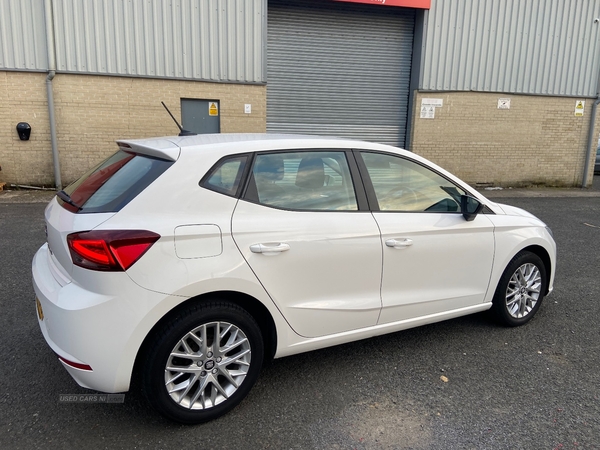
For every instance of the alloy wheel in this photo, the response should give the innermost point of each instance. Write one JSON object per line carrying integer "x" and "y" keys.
{"x": 208, "y": 365}
{"x": 523, "y": 291}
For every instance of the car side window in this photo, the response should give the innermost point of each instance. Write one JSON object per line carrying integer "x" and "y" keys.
{"x": 225, "y": 176}
{"x": 316, "y": 180}
{"x": 404, "y": 185}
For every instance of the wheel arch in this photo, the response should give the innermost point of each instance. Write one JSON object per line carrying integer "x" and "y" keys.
{"x": 543, "y": 254}
{"x": 254, "y": 307}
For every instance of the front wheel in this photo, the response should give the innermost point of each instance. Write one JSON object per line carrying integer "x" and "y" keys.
{"x": 203, "y": 362}
{"x": 521, "y": 290}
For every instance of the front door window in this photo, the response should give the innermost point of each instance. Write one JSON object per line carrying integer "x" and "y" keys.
{"x": 403, "y": 185}
{"x": 306, "y": 181}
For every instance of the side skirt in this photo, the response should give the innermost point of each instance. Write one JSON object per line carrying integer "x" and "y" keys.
{"x": 306, "y": 345}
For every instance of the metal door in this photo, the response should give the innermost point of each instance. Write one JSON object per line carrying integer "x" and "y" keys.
{"x": 337, "y": 69}
{"x": 201, "y": 116}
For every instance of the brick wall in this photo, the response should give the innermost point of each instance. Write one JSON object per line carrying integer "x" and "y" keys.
{"x": 23, "y": 99}
{"x": 93, "y": 111}
{"x": 538, "y": 141}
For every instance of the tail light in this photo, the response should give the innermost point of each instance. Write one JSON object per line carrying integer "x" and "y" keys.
{"x": 109, "y": 250}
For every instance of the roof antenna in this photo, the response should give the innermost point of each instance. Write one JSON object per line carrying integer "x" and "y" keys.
{"x": 182, "y": 131}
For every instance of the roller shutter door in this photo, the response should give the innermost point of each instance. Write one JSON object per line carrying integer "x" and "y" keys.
{"x": 339, "y": 69}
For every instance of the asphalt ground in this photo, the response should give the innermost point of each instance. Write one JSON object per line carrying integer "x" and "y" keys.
{"x": 533, "y": 387}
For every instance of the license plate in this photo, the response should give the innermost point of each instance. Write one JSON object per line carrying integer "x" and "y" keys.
{"x": 40, "y": 311}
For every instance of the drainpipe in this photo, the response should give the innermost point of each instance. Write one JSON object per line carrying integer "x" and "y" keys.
{"x": 49, "y": 91}
{"x": 591, "y": 143}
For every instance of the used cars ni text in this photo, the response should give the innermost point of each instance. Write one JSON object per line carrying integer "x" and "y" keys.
{"x": 192, "y": 260}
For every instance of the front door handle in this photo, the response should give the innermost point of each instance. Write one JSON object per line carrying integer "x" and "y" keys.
{"x": 399, "y": 243}
{"x": 270, "y": 249}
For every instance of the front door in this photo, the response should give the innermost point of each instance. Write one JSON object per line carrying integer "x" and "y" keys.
{"x": 433, "y": 259}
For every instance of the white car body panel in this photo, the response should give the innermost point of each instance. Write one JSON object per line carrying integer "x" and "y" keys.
{"x": 515, "y": 233}
{"x": 102, "y": 319}
{"x": 339, "y": 252}
{"x": 60, "y": 223}
{"x": 446, "y": 266}
{"x": 297, "y": 345}
{"x": 86, "y": 326}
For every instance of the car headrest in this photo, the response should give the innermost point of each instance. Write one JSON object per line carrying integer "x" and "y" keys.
{"x": 311, "y": 173}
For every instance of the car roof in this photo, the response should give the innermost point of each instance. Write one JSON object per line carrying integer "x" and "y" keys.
{"x": 229, "y": 143}
{"x": 223, "y": 144}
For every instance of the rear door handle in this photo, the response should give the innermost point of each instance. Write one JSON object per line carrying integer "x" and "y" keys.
{"x": 270, "y": 249}
{"x": 399, "y": 243}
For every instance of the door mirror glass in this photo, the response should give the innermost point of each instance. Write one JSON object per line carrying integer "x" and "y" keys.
{"x": 470, "y": 207}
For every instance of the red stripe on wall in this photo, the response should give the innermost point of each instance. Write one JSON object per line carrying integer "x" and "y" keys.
{"x": 423, "y": 4}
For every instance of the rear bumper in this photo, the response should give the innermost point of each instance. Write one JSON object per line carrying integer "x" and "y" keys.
{"x": 103, "y": 330}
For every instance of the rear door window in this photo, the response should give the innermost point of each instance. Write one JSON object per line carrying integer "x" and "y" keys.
{"x": 226, "y": 176}
{"x": 112, "y": 184}
{"x": 307, "y": 181}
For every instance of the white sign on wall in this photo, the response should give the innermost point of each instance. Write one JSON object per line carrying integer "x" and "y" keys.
{"x": 427, "y": 112}
{"x": 428, "y": 106}
{"x": 579, "y": 108}
{"x": 504, "y": 103}
{"x": 437, "y": 102}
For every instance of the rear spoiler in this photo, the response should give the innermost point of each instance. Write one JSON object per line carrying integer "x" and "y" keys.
{"x": 156, "y": 148}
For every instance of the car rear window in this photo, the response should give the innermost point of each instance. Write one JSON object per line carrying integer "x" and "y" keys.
{"x": 112, "y": 184}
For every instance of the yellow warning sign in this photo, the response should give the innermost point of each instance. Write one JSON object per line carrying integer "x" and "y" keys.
{"x": 579, "y": 108}
{"x": 213, "y": 109}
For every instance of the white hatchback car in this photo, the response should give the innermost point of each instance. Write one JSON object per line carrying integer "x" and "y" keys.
{"x": 194, "y": 259}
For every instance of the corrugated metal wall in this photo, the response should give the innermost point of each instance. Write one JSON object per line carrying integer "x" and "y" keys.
{"x": 22, "y": 35}
{"x": 215, "y": 40}
{"x": 549, "y": 47}
{"x": 219, "y": 40}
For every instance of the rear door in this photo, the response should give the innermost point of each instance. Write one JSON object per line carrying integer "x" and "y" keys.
{"x": 306, "y": 233}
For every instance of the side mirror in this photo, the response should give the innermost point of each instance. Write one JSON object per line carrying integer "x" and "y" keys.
{"x": 470, "y": 207}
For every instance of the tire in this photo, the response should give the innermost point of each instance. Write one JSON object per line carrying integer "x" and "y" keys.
{"x": 188, "y": 376}
{"x": 520, "y": 291}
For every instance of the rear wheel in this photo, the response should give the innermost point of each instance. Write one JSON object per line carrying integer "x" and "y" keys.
{"x": 203, "y": 362}
{"x": 521, "y": 290}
